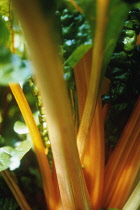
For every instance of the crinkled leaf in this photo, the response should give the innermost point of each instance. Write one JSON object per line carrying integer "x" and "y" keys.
{"x": 10, "y": 157}
{"x": 17, "y": 70}
{"x": 118, "y": 12}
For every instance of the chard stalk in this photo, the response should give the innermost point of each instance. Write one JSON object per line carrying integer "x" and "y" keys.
{"x": 93, "y": 89}
{"x": 94, "y": 159}
{"x": 124, "y": 145}
{"x": 93, "y": 170}
{"x": 48, "y": 187}
{"x": 48, "y": 70}
{"x": 133, "y": 142}
{"x": 127, "y": 179}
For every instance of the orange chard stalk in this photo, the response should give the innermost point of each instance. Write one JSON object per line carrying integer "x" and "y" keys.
{"x": 121, "y": 153}
{"x": 118, "y": 151}
{"x": 48, "y": 187}
{"x": 94, "y": 159}
{"x": 48, "y": 69}
{"x": 122, "y": 162}
{"x": 82, "y": 75}
{"x": 94, "y": 83}
{"x": 127, "y": 179}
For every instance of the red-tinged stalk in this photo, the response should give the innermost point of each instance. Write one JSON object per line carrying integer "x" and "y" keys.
{"x": 126, "y": 182}
{"x": 49, "y": 77}
{"x": 133, "y": 141}
{"x": 48, "y": 187}
{"x": 94, "y": 159}
{"x": 133, "y": 203}
{"x": 105, "y": 86}
{"x": 93, "y": 89}
{"x": 138, "y": 40}
{"x": 105, "y": 111}
{"x": 15, "y": 190}
{"x": 118, "y": 152}
{"x": 55, "y": 183}
{"x": 82, "y": 75}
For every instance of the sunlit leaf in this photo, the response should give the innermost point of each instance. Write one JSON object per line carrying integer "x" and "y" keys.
{"x": 10, "y": 157}
{"x": 20, "y": 128}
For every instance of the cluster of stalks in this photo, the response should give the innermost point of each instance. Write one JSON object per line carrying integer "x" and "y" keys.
{"x": 68, "y": 185}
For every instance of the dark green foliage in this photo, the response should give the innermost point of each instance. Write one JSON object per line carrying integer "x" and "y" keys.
{"x": 7, "y": 200}
{"x": 75, "y": 30}
{"x": 69, "y": 77}
{"x": 122, "y": 67}
{"x": 131, "y": 1}
{"x": 123, "y": 72}
{"x": 30, "y": 183}
{"x": 134, "y": 17}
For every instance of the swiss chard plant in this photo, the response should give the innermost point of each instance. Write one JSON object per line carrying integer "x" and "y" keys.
{"x": 70, "y": 104}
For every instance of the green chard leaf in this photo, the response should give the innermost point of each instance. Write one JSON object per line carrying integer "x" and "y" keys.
{"x": 10, "y": 157}
{"x": 78, "y": 54}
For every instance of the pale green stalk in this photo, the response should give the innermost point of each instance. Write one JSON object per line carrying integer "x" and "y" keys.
{"x": 133, "y": 202}
{"x": 49, "y": 76}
